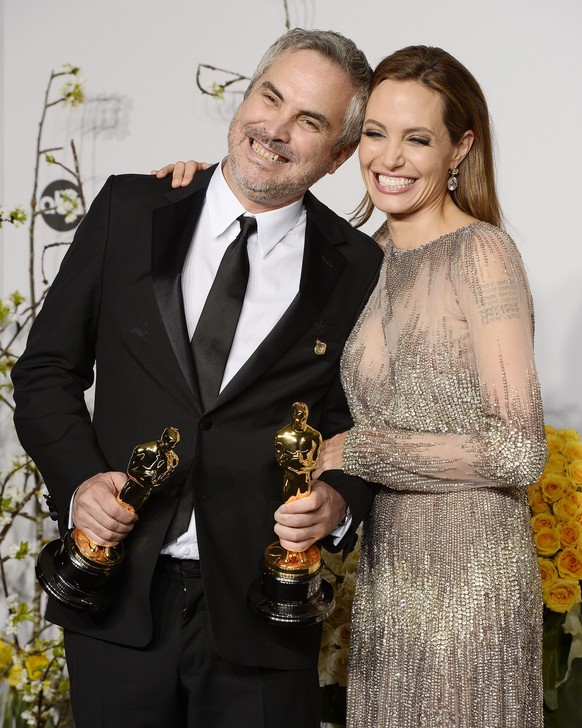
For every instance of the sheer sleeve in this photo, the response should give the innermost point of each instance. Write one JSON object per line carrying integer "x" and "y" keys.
{"x": 496, "y": 392}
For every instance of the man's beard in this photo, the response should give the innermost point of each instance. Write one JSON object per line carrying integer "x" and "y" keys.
{"x": 271, "y": 191}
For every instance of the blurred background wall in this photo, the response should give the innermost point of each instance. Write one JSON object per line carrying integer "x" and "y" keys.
{"x": 143, "y": 108}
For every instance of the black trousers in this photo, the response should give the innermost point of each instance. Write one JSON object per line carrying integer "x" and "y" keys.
{"x": 179, "y": 680}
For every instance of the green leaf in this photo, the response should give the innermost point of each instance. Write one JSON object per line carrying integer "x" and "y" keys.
{"x": 333, "y": 704}
{"x": 568, "y": 709}
{"x": 555, "y": 651}
{"x": 23, "y": 550}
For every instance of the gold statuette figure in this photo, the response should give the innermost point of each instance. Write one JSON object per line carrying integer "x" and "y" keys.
{"x": 77, "y": 571}
{"x": 292, "y": 589}
{"x": 297, "y": 448}
{"x": 150, "y": 464}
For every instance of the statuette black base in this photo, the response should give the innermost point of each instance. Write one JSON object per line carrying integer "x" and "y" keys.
{"x": 312, "y": 611}
{"x": 75, "y": 581}
{"x": 291, "y": 589}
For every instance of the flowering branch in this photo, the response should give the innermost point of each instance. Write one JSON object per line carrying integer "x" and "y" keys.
{"x": 31, "y": 652}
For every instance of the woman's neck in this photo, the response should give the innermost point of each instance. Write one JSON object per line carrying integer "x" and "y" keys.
{"x": 423, "y": 226}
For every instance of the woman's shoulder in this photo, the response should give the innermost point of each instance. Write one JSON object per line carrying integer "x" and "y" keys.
{"x": 484, "y": 239}
{"x": 490, "y": 252}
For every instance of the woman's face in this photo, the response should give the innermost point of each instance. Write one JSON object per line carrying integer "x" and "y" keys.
{"x": 405, "y": 150}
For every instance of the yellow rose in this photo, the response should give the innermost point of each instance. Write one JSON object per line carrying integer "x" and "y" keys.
{"x": 350, "y": 567}
{"x": 570, "y": 435}
{"x": 532, "y": 490}
{"x": 333, "y": 562}
{"x": 556, "y": 463}
{"x": 570, "y": 534}
{"x": 568, "y": 507}
{"x": 326, "y": 649}
{"x": 562, "y": 595}
{"x": 341, "y": 614}
{"x": 5, "y": 656}
{"x": 574, "y": 470}
{"x": 569, "y": 563}
{"x": 536, "y": 499}
{"x": 548, "y": 572}
{"x": 35, "y": 664}
{"x": 543, "y": 520}
{"x": 341, "y": 635}
{"x": 14, "y": 675}
{"x": 554, "y": 486}
{"x": 338, "y": 666}
{"x": 547, "y": 541}
{"x": 554, "y": 442}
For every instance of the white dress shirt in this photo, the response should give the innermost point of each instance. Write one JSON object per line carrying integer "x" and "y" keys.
{"x": 275, "y": 260}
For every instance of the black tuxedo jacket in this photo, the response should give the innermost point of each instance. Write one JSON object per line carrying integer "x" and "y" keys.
{"x": 116, "y": 308}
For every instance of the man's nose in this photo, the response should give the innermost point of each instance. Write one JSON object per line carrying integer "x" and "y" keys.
{"x": 278, "y": 127}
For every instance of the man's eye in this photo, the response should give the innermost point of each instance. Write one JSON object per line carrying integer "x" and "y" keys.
{"x": 311, "y": 124}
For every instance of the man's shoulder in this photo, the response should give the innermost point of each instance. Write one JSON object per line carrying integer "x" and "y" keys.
{"x": 147, "y": 185}
{"x": 338, "y": 229}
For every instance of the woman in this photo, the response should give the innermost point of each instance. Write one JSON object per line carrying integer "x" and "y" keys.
{"x": 440, "y": 377}
{"x": 448, "y": 421}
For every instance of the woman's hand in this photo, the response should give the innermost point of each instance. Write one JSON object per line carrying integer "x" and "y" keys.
{"x": 331, "y": 454}
{"x": 182, "y": 172}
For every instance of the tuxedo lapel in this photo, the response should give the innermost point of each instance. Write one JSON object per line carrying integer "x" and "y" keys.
{"x": 172, "y": 230}
{"x": 322, "y": 264}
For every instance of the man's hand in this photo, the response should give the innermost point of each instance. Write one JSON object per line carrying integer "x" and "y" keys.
{"x": 182, "y": 172}
{"x": 98, "y": 514}
{"x": 306, "y": 520}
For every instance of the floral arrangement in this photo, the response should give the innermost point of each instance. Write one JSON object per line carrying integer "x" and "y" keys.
{"x": 556, "y": 506}
{"x": 333, "y": 654}
{"x": 34, "y": 686}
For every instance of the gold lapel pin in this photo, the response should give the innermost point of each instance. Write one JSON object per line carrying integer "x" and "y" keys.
{"x": 320, "y": 347}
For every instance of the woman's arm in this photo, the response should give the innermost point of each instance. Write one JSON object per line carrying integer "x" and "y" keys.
{"x": 505, "y": 442}
{"x": 182, "y": 172}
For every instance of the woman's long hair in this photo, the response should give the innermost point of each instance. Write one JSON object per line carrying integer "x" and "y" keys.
{"x": 464, "y": 108}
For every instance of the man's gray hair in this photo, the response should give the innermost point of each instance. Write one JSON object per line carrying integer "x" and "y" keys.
{"x": 341, "y": 51}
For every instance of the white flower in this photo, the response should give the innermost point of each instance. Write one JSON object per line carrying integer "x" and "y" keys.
{"x": 338, "y": 666}
{"x": 15, "y": 489}
{"x": 68, "y": 204}
{"x": 48, "y": 693}
{"x": 32, "y": 693}
{"x": 73, "y": 70}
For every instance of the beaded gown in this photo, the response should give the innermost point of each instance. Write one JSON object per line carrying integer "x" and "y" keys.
{"x": 442, "y": 386}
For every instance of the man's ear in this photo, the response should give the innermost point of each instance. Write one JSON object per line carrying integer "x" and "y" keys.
{"x": 341, "y": 156}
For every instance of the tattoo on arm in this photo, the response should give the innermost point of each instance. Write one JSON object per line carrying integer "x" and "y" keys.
{"x": 500, "y": 301}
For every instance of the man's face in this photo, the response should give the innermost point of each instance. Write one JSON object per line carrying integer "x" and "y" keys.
{"x": 282, "y": 136}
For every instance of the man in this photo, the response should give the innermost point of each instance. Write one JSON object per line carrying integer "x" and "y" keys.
{"x": 179, "y": 647}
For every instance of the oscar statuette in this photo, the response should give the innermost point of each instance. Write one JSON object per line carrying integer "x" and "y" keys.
{"x": 77, "y": 571}
{"x": 291, "y": 588}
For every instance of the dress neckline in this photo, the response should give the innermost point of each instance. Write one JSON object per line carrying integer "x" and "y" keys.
{"x": 389, "y": 245}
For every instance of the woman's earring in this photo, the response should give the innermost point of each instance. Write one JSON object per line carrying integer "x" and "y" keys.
{"x": 452, "y": 182}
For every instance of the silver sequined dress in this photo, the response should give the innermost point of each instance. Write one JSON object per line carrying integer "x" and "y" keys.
{"x": 442, "y": 386}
